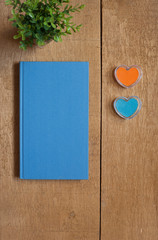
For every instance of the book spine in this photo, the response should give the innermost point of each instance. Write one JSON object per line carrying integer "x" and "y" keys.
{"x": 21, "y": 119}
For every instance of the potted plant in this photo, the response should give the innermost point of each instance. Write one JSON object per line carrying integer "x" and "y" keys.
{"x": 41, "y": 21}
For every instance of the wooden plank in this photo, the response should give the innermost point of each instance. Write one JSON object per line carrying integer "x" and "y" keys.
{"x": 48, "y": 209}
{"x": 129, "y": 147}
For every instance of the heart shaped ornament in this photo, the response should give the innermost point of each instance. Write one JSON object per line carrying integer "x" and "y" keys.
{"x": 127, "y": 108}
{"x": 128, "y": 76}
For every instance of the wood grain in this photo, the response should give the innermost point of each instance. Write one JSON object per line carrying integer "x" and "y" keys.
{"x": 130, "y": 147}
{"x": 65, "y": 210}
{"x": 56, "y": 210}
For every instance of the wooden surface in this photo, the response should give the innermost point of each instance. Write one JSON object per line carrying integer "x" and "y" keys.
{"x": 128, "y": 197}
{"x": 129, "y": 147}
{"x": 48, "y": 210}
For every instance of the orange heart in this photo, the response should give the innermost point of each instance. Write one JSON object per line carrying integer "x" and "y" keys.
{"x": 128, "y": 76}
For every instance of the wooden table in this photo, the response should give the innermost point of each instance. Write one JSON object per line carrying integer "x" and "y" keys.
{"x": 120, "y": 200}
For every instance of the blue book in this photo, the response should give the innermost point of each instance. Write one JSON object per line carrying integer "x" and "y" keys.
{"x": 54, "y": 99}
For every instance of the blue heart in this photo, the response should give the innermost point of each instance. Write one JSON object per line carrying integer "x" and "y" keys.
{"x": 127, "y": 107}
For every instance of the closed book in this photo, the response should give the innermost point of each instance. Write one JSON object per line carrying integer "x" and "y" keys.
{"x": 54, "y": 101}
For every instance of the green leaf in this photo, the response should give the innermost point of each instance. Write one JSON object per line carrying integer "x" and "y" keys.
{"x": 31, "y": 15}
{"x": 17, "y": 36}
{"x": 40, "y": 43}
{"x": 56, "y": 38}
{"x": 28, "y": 34}
{"x": 68, "y": 30}
{"x": 73, "y": 29}
{"x": 23, "y": 45}
{"x": 11, "y": 19}
{"x": 66, "y": 7}
{"x": 23, "y": 37}
{"x": 53, "y": 25}
{"x": 82, "y": 6}
{"x": 60, "y": 39}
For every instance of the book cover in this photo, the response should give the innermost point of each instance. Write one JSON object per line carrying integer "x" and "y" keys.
{"x": 54, "y": 102}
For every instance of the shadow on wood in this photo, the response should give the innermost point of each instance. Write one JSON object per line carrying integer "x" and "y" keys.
{"x": 16, "y": 120}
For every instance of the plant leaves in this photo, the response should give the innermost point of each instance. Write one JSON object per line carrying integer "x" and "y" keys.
{"x": 38, "y": 21}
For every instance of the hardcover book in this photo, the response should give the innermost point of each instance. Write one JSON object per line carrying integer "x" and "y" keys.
{"x": 54, "y": 100}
